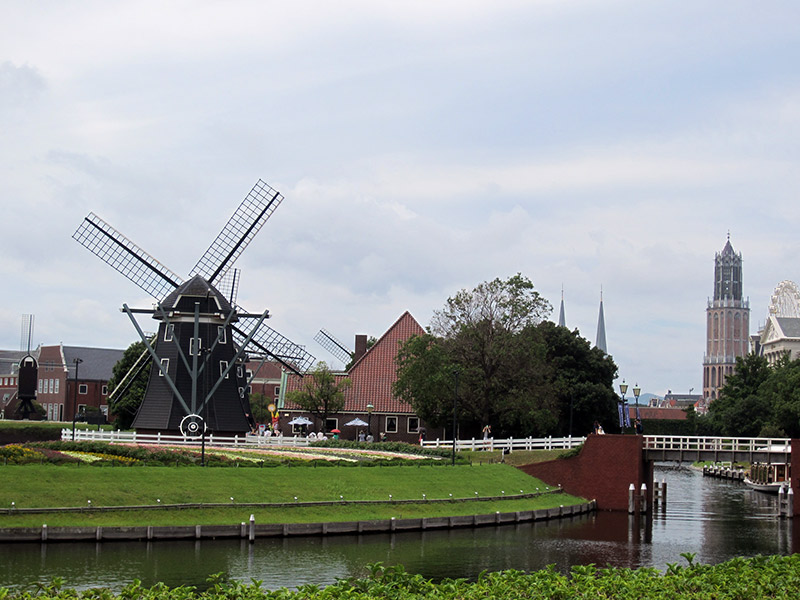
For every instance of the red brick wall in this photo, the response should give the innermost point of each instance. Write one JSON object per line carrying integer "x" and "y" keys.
{"x": 603, "y": 471}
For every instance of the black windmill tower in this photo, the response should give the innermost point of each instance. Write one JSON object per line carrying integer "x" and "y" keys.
{"x": 197, "y": 377}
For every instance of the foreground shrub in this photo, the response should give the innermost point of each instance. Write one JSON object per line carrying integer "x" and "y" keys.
{"x": 741, "y": 579}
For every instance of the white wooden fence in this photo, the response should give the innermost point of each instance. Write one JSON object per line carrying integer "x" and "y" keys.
{"x": 510, "y": 444}
{"x": 161, "y": 438}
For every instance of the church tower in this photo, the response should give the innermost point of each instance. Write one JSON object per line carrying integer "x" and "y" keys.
{"x": 727, "y": 322}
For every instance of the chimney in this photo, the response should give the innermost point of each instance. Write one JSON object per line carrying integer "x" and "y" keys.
{"x": 361, "y": 346}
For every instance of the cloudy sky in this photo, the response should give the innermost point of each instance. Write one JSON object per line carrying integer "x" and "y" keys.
{"x": 422, "y": 147}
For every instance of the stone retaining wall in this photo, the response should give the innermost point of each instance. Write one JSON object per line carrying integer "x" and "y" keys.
{"x": 254, "y": 530}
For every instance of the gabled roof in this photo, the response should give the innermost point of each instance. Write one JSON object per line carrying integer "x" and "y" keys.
{"x": 780, "y": 328}
{"x": 375, "y": 372}
{"x": 98, "y": 363}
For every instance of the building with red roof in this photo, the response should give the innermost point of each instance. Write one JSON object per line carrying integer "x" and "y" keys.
{"x": 372, "y": 374}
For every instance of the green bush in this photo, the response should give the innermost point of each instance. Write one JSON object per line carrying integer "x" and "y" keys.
{"x": 757, "y": 578}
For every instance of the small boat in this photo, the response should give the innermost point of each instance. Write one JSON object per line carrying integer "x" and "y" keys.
{"x": 769, "y": 478}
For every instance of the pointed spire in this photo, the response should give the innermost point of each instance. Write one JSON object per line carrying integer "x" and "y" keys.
{"x": 562, "y": 321}
{"x": 601, "y": 327}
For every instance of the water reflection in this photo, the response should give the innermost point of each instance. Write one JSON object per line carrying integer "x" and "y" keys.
{"x": 715, "y": 519}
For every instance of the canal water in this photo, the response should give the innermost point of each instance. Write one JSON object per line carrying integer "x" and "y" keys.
{"x": 712, "y": 518}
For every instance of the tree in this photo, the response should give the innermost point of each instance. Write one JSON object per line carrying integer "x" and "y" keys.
{"x": 581, "y": 380}
{"x": 321, "y": 394}
{"x": 426, "y": 378}
{"x": 781, "y": 391}
{"x": 124, "y": 403}
{"x": 259, "y": 404}
{"x": 481, "y": 335}
{"x": 741, "y": 408}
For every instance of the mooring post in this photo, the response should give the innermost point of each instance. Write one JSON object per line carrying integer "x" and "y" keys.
{"x": 781, "y": 501}
{"x": 663, "y": 494}
{"x": 252, "y": 528}
{"x": 631, "y": 499}
{"x": 643, "y": 498}
{"x": 790, "y": 503}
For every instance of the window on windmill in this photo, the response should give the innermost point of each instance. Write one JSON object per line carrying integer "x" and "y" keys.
{"x": 239, "y": 371}
{"x": 164, "y": 367}
{"x": 221, "y": 335}
{"x": 169, "y": 332}
{"x": 223, "y": 365}
{"x": 194, "y": 346}
{"x": 241, "y": 392}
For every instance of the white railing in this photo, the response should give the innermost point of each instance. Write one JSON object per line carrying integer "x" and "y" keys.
{"x": 510, "y": 444}
{"x": 132, "y": 437}
{"x": 690, "y": 443}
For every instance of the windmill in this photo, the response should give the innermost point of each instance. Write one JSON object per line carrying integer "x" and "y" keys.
{"x": 28, "y": 370}
{"x": 197, "y": 378}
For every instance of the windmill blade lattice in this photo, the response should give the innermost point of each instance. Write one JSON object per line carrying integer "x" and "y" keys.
{"x": 229, "y": 286}
{"x": 326, "y": 339}
{"x": 240, "y": 229}
{"x": 278, "y": 346}
{"x": 126, "y": 257}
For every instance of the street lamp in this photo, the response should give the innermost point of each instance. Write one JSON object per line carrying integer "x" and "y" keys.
{"x": 636, "y": 391}
{"x": 623, "y": 387}
{"x": 77, "y": 362}
{"x": 370, "y": 408}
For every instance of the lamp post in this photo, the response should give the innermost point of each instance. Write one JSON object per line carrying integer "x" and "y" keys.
{"x": 455, "y": 418}
{"x": 623, "y": 387}
{"x": 77, "y": 362}
{"x": 636, "y": 391}
{"x": 370, "y": 408}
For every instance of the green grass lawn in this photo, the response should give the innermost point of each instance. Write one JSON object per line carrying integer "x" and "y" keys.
{"x": 71, "y": 486}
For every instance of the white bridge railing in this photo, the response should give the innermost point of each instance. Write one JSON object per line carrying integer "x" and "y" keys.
{"x": 716, "y": 444}
{"x": 509, "y": 444}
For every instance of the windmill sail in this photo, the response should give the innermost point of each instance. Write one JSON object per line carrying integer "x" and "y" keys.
{"x": 326, "y": 339}
{"x": 280, "y": 348}
{"x": 240, "y": 229}
{"x": 126, "y": 257}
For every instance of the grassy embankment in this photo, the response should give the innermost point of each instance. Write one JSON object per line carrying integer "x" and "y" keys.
{"x": 72, "y": 486}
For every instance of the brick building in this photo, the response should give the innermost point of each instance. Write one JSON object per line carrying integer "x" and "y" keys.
{"x": 61, "y": 393}
{"x": 372, "y": 374}
{"x": 727, "y": 322}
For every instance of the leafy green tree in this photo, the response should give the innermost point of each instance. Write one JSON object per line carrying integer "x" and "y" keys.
{"x": 781, "y": 391}
{"x": 742, "y": 409}
{"x": 258, "y": 407}
{"x": 124, "y": 403}
{"x": 479, "y": 328}
{"x": 426, "y": 378}
{"x": 581, "y": 380}
{"x": 322, "y": 393}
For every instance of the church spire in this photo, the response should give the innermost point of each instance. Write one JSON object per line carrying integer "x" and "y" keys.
{"x": 601, "y": 327}
{"x": 562, "y": 321}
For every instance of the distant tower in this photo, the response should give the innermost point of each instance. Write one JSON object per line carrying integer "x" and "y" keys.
{"x": 601, "y": 327}
{"x": 727, "y": 322}
{"x": 562, "y": 320}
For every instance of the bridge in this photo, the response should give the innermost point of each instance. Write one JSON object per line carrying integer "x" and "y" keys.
{"x": 716, "y": 449}
{"x": 608, "y": 464}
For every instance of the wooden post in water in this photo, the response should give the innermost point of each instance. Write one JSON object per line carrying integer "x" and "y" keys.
{"x": 631, "y": 499}
{"x": 643, "y": 498}
{"x": 252, "y": 528}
